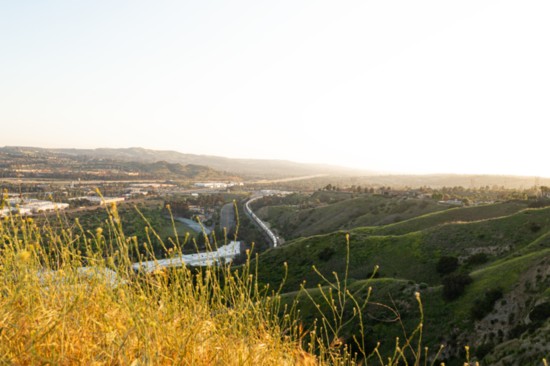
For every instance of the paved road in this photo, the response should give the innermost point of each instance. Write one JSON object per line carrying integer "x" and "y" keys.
{"x": 274, "y": 239}
{"x": 227, "y": 217}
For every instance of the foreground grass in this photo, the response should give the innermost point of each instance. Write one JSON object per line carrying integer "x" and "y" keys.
{"x": 69, "y": 297}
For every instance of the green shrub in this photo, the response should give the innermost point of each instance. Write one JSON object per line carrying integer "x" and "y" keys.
{"x": 540, "y": 312}
{"x": 326, "y": 253}
{"x": 454, "y": 285}
{"x": 483, "y": 350}
{"x": 484, "y": 305}
{"x": 446, "y": 265}
{"x": 534, "y": 227}
{"x": 478, "y": 258}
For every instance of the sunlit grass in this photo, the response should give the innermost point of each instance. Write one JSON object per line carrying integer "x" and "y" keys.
{"x": 68, "y": 296}
{"x": 54, "y": 311}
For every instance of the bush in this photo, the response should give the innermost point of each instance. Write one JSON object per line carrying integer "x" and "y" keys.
{"x": 484, "y": 305}
{"x": 454, "y": 285}
{"x": 478, "y": 258}
{"x": 326, "y": 253}
{"x": 446, "y": 265}
{"x": 518, "y": 330}
{"x": 540, "y": 312}
{"x": 534, "y": 227}
{"x": 483, "y": 350}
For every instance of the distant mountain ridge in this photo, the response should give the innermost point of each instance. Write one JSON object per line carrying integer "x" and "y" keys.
{"x": 23, "y": 162}
{"x": 257, "y": 168}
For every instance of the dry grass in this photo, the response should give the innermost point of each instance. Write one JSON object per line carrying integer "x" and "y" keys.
{"x": 54, "y": 312}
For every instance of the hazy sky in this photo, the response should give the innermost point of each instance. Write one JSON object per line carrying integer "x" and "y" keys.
{"x": 402, "y": 86}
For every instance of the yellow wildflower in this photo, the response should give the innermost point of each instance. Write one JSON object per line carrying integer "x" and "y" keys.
{"x": 23, "y": 255}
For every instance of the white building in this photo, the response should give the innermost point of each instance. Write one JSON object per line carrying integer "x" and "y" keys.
{"x": 211, "y": 185}
{"x": 216, "y": 184}
{"x": 224, "y": 254}
{"x": 31, "y": 206}
{"x": 36, "y": 206}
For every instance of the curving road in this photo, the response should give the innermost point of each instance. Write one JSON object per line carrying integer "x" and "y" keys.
{"x": 274, "y": 239}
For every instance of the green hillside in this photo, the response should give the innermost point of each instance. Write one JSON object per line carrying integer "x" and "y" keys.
{"x": 412, "y": 255}
{"x": 459, "y": 214}
{"x": 504, "y": 248}
{"x": 325, "y": 212}
{"x": 451, "y": 323}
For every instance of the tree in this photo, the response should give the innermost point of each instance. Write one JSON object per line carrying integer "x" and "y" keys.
{"x": 454, "y": 285}
{"x": 446, "y": 265}
{"x": 484, "y": 305}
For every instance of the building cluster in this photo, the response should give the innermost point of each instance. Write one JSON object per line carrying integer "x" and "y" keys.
{"x": 25, "y": 207}
{"x": 133, "y": 192}
{"x": 98, "y": 199}
{"x": 221, "y": 185}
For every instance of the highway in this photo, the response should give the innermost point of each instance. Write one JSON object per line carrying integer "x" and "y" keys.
{"x": 272, "y": 237}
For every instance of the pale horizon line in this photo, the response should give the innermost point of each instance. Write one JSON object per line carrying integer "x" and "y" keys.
{"x": 367, "y": 171}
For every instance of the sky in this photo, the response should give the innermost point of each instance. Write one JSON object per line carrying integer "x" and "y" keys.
{"x": 392, "y": 86}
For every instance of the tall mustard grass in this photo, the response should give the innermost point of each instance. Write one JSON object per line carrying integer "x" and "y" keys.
{"x": 68, "y": 296}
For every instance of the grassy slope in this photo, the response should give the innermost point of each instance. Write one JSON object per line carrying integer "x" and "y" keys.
{"x": 442, "y": 318}
{"x": 518, "y": 241}
{"x": 459, "y": 214}
{"x": 410, "y": 256}
{"x": 54, "y": 312}
{"x": 503, "y": 274}
{"x": 345, "y": 214}
{"x": 380, "y": 321}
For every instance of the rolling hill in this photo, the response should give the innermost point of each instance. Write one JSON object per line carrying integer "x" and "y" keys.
{"x": 254, "y": 168}
{"x": 503, "y": 314}
{"x": 46, "y": 163}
